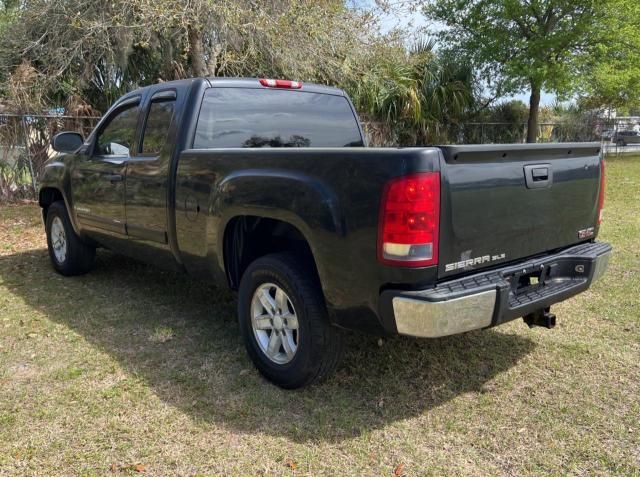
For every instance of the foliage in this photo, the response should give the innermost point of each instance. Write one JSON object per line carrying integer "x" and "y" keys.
{"x": 611, "y": 77}
{"x": 98, "y": 50}
{"x": 6, "y": 17}
{"x": 539, "y": 45}
{"x": 94, "y": 52}
{"x": 512, "y": 112}
{"x": 14, "y": 166}
{"x": 574, "y": 123}
{"x": 416, "y": 91}
{"x": 503, "y": 122}
{"x": 25, "y": 147}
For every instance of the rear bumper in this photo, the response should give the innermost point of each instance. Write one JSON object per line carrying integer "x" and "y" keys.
{"x": 494, "y": 297}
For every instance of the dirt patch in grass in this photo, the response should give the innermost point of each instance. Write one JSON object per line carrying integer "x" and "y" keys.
{"x": 130, "y": 366}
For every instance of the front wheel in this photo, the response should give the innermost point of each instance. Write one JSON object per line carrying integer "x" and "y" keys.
{"x": 68, "y": 254}
{"x": 284, "y": 322}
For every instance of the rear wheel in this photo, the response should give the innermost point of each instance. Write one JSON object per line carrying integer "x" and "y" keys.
{"x": 68, "y": 254}
{"x": 284, "y": 322}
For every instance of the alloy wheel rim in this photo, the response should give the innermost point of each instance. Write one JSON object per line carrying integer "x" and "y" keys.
{"x": 275, "y": 323}
{"x": 58, "y": 240}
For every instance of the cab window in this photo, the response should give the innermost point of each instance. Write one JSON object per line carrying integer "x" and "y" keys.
{"x": 116, "y": 138}
{"x": 157, "y": 126}
{"x": 244, "y": 117}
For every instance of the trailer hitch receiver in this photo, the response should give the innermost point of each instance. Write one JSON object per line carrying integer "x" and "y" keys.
{"x": 541, "y": 317}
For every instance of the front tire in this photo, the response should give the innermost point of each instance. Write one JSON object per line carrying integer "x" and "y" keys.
{"x": 69, "y": 255}
{"x": 284, "y": 322}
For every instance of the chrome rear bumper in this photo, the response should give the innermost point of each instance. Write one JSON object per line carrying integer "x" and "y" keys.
{"x": 495, "y": 297}
{"x": 442, "y": 318}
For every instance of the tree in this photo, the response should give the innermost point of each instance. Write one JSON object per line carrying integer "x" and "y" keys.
{"x": 611, "y": 77}
{"x": 419, "y": 92}
{"x": 97, "y": 50}
{"x": 7, "y": 14}
{"x": 535, "y": 44}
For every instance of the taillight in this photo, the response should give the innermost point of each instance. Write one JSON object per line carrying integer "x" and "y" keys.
{"x": 601, "y": 195}
{"x": 410, "y": 221}
{"x": 279, "y": 83}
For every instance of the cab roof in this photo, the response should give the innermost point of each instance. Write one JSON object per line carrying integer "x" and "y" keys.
{"x": 223, "y": 82}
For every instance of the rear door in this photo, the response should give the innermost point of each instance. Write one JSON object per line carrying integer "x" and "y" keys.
{"x": 502, "y": 203}
{"x": 97, "y": 180}
{"x": 148, "y": 171}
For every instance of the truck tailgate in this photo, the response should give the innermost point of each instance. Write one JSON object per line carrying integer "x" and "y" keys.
{"x": 502, "y": 203}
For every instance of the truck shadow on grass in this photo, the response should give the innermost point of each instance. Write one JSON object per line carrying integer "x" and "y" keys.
{"x": 180, "y": 336}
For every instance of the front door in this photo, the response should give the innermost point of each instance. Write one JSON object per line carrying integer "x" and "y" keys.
{"x": 98, "y": 178}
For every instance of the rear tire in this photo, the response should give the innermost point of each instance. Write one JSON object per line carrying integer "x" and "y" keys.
{"x": 69, "y": 255}
{"x": 313, "y": 347}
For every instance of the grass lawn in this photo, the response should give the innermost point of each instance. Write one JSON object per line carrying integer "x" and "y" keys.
{"x": 129, "y": 369}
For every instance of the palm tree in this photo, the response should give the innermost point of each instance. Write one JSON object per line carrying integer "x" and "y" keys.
{"x": 418, "y": 92}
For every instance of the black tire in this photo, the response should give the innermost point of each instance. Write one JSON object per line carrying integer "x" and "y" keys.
{"x": 320, "y": 344}
{"x": 79, "y": 257}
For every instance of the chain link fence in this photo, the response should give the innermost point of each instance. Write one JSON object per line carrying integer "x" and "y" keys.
{"x": 25, "y": 141}
{"x": 498, "y": 133}
{"x": 25, "y": 146}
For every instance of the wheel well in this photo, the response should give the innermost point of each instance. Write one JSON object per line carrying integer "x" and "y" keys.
{"x": 247, "y": 238}
{"x": 48, "y": 196}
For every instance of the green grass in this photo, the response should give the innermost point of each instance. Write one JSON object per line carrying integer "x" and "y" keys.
{"x": 131, "y": 365}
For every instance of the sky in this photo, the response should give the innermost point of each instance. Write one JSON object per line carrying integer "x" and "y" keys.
{"x": 417, "y": 21}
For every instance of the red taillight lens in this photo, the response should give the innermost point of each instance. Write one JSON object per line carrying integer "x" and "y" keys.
{"x": 279, "y": 83}
{"x": 410, "y": 221}
{"x": 601, "y": 196}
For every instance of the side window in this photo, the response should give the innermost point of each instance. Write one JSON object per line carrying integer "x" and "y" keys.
{"x": 116, "y": 138}
{"x": 157, "y": 127}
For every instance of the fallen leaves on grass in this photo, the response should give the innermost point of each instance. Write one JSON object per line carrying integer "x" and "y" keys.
{"x": 291, "y": 464}
{"x": 399, "y": 471}
{"x": 140, "y": 468}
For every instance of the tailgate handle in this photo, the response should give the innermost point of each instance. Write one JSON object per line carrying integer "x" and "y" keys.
{"x": 538, "y": 176}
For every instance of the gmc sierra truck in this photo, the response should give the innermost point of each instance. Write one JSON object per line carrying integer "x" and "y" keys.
{"x": 267, "y": 186}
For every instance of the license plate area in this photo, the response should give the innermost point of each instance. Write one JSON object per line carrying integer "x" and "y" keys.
{"x": 527, "y": 281}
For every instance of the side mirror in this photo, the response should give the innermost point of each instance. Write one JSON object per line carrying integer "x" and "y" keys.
{"x": 67, "y": 141}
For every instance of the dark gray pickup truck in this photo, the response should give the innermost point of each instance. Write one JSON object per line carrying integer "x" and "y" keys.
{"x": 266, "y": 186}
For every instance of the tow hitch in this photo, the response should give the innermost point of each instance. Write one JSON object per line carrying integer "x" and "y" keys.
{"x": 541, "y": 317}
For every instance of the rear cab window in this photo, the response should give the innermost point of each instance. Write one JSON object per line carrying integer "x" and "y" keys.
{"x": 157, "y": 126}
{"x": 252, "y": 118}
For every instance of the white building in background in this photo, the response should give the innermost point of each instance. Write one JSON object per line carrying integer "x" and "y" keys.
{"x": 620, "y": 123}
{"x": 626, "y": 123}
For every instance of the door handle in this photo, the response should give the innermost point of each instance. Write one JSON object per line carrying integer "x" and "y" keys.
{"x": 115, "y": 178}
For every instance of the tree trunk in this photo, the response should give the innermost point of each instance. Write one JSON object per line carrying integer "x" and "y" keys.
{"x": 534, "y": 109}
{"x": 196, "y": 52}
